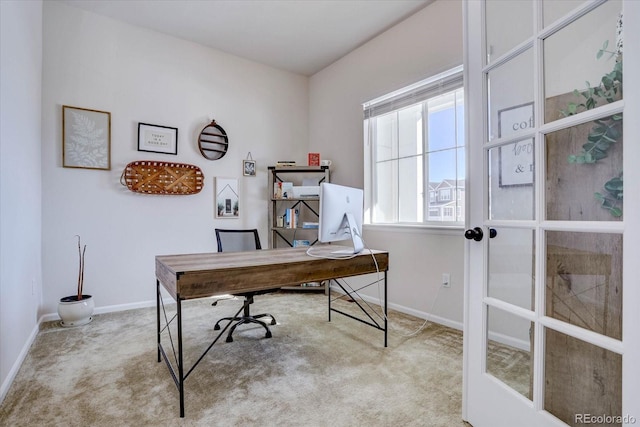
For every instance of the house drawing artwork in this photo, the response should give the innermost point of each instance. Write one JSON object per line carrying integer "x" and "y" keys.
{"x": 227, "y": 205}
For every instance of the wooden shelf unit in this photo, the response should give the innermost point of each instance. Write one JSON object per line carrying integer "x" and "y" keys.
{"x": 308, "y": 207}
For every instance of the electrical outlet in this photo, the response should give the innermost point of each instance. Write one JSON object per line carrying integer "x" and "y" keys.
{"x": 446, "y": 280}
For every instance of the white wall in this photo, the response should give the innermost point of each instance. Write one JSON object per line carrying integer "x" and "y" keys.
{"x": 425, "y": 44}
{"x": 20, "y": 182}
{"x": 94, "y": 62}
{"x": 142, "y": 76}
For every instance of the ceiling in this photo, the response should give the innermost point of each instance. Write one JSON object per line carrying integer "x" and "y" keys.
{"x": 301, "y": 36}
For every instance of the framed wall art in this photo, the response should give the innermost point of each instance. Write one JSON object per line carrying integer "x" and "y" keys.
{"x": 157, "y": 139}
{"x": 86, "y": 138}
{"x": 516, "y": 159}
{"x": 249, "y": 167}
{"x": 227, "y": 198}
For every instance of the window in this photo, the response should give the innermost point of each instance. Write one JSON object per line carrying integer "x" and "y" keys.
{"x": 415, "y": 154}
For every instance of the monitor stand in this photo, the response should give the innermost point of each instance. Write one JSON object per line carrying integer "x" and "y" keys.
{"x": 358, "y": 245}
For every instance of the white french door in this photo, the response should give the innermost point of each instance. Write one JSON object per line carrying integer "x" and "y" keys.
{"x": 552, "y": 264}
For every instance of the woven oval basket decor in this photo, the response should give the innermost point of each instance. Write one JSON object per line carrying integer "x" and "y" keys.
{"x": 153, "y": 177}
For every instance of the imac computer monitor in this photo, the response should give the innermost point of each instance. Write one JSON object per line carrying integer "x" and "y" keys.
{"x": 341, "y": 211}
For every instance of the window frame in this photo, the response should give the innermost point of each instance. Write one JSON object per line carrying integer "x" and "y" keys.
{"x": 441, "y": 84}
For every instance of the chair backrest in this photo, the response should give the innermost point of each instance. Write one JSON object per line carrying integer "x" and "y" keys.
{"x": 237, "y": 240}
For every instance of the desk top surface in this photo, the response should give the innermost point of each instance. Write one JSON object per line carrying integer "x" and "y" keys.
{"x": 205, "y": 274}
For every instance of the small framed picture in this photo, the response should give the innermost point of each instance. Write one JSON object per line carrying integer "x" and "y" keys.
{"x": 313, "y": 159}
{"x": 227, "y": 198}
{"x": 249, "y": 167}
{"x": 86, "y": 138}
{"x": 157, "y": 139}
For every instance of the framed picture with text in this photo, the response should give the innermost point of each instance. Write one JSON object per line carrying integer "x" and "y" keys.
{"x": 157, "y": 139}
{"x": 516, "y": 159}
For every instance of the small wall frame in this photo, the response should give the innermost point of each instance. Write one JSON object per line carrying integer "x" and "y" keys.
{"x": 227, "y": 198}
{"x": 249, "y": 167}
{"x": 86, "y": 138}
{"x": 157, "y": 139}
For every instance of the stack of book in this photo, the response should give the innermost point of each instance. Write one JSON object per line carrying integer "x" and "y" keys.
{"x": 281, "y": 163}
{"x": 291, "y": 218}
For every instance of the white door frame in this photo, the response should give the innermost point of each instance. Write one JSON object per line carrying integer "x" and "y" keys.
{"x": 476, "y": 199}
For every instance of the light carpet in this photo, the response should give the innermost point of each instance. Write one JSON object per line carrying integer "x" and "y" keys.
{"x": 311, "y": 373}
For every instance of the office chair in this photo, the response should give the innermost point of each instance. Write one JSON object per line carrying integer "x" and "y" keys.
{"x": 243, "y": 240}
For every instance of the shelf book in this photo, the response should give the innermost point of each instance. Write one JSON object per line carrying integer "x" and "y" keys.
{"x": 291, "y": 216}
{"x": 294, "y": 208}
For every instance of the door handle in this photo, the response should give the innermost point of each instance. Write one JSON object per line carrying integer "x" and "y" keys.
{"x": 474, "y": 234}
{"x": 477, "y": 234}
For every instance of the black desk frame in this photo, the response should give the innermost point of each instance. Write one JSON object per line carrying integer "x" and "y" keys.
{"x": 178, "y": 372}
{"x": 365, "y": 307}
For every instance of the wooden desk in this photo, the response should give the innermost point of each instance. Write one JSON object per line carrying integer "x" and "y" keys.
{"x": 191, "y": 276}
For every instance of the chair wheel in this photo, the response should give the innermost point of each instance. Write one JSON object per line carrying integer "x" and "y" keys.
{"x": 268, "y": 334}
{"x": 216, "y": 327}
{"x": 229, "y": 338}
{"x": 273, "y": 321}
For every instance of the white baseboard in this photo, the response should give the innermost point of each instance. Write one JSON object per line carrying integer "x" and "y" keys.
{"x": 6, "y": 384}
{"x": 427, "y": 316}
{"x": 111, "y": 309}
{"x": 510, "y": 341}
{"x": 498, "y": 337}
{"x": 413, "y": 312}
{"x": 50, "y": 317}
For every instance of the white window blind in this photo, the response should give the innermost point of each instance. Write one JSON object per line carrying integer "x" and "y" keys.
{"x": 418, "y": 92}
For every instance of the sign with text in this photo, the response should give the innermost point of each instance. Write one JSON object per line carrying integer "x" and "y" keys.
{"x": 516, "y": 159}
{"x": 157, "y": 139}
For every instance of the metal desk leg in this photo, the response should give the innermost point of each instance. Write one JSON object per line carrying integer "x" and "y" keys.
{"x": 329, "y": 297}
{"x": 158, "y": 314}
{"x": 385, "y": 308}
{"x": 180, "y": 360}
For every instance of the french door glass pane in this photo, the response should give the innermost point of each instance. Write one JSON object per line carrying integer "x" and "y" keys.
{"x": 555, "y": 9}
{"x": 584, "y": 280}
{"x": 509, "y": 350}
{"x": 581, "y": 380}
{"x": 510, "y": 95}
{"x": 584, "y": 179}
{"x": 571, "y": 66}
{"x": 511, "y": 194}
{"x": 508, "y": 23}
{"x": 511, "y": 266}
